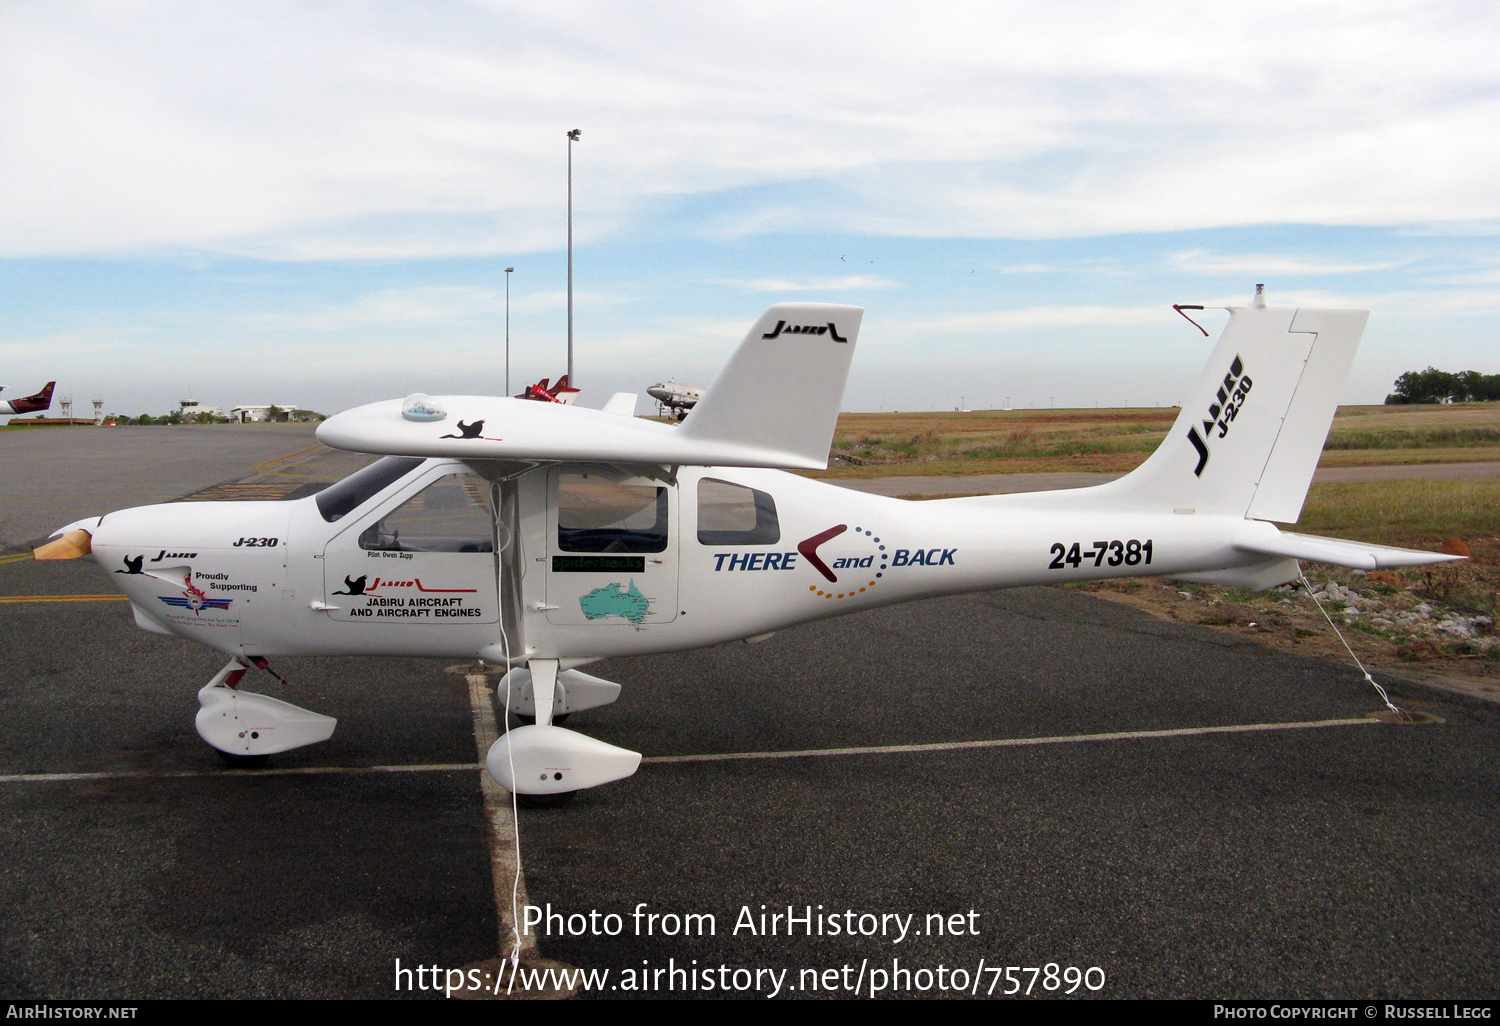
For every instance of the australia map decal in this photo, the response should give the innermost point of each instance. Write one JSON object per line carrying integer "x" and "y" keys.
{"x": 612, "y": 600}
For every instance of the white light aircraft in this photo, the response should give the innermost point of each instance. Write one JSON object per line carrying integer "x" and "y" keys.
{"x": 543, "y": 537}
{"x": 39, "y": 403}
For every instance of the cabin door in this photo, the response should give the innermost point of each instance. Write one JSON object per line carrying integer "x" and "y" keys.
{"x": 423, "y": 559}
{"x": 611, "y": 548}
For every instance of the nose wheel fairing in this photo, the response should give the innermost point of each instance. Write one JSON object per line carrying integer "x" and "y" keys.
{"x": 243, "y": 723}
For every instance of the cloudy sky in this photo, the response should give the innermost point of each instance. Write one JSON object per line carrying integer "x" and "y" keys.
{"x": 315, "y": 202}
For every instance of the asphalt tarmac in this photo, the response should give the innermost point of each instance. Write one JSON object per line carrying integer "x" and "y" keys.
{"x": 1347, "y": 858}
{"x": 53, "y": 476}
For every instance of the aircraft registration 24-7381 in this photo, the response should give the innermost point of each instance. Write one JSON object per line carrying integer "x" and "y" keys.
{"x": 543, "y": 537}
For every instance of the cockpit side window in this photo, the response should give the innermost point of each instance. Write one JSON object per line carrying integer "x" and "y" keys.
{"x": 596, "y": 513}
{"x": 338, "y": 500}
{"x": 731, "y": 514}
{"x": 450, "y": 515}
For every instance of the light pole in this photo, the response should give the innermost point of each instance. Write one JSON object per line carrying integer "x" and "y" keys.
{"x": 573, "y": 135}
{"x": 508, "y": 271}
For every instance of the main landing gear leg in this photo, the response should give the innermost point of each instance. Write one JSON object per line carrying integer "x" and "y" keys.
{"x": 245, "y": 727}
{"x": 544, "y": 764}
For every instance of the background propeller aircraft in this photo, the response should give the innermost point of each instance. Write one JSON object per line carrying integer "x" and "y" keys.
{"x": 675, "y": 397}
{"x": 38, "y": 403}
{"x": 544, "y": 537}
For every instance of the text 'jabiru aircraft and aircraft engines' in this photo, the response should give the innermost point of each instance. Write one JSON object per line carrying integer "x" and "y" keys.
{"x": 543, "y": 536}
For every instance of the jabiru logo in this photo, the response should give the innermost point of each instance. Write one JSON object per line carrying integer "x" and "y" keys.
{"x": 783, "y": 328}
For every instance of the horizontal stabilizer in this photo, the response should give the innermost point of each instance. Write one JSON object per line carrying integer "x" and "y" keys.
{"x": 1359, "y": 555}
{"x": 1268, "y": 573}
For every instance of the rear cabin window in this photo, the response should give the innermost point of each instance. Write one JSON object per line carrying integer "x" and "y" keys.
{"x": 337, "y": 500}
{"x": 450, "y": 515}
{"x": 731, "y": 514}
{"x": 596, "y": 513}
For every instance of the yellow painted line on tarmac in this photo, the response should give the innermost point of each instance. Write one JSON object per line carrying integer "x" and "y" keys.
{"x": 63, "y": 598}
{"x": 15, "y": 557}
{"x": 261, "y": 468}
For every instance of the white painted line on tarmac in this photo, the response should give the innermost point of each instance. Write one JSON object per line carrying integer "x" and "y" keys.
{"x": 1013, "y": 742}
{"x": 509, "y": 884}
{"x": 503, "y": 823}
{"x": 269, "y": 771}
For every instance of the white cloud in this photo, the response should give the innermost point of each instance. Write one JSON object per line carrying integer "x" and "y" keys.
{"x": 432, "y": 307}
{"x": 1203, "y": 262}
{"x": 403, "y": 129}
{"x": 847, "y": 283}
{"x": 1037, "y": 317}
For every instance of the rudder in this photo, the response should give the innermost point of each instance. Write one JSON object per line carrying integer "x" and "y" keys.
{"x": 1248, "y": 440}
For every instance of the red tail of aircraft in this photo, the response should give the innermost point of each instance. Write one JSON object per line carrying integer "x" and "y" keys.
{"x": 561, "y": 392}
{"x": 31, "y": 403}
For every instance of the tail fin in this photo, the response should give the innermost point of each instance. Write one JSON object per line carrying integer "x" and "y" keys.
{"x": 33, "y": 403}
{"x": 782, "y": 388}
{"x": 1248, "y": 440}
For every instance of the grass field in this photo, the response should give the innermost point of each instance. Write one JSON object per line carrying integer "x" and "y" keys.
{"x": 1034, "y": 441}
{"x": 1415, "y": 513}
{"x": 1409, "y": 513}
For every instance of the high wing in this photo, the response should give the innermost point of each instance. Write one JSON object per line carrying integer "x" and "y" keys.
{"x": 775, "y": 404}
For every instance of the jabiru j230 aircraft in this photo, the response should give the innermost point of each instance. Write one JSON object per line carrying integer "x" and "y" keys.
{"x": 544, "y": 537}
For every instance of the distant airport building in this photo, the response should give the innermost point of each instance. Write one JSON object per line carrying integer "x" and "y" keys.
{"x": 193, "y": 408}
{"x": 261, "y": 414}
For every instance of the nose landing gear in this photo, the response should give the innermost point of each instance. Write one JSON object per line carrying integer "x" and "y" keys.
{"x": 246, "y": 727}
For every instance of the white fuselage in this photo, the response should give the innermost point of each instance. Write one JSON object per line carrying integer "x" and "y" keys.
{"x": 277, "y": 578}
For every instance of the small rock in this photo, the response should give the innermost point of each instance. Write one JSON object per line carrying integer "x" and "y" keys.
{"x": 1356, "y": 573}
{"x": 1186, "y": 594}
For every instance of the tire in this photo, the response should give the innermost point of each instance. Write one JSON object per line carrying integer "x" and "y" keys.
{"x": 243, "y": 761}
{"x": 544, "y": 801}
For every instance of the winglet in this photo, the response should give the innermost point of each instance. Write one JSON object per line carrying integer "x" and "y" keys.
{"x": 782, "y": 388}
